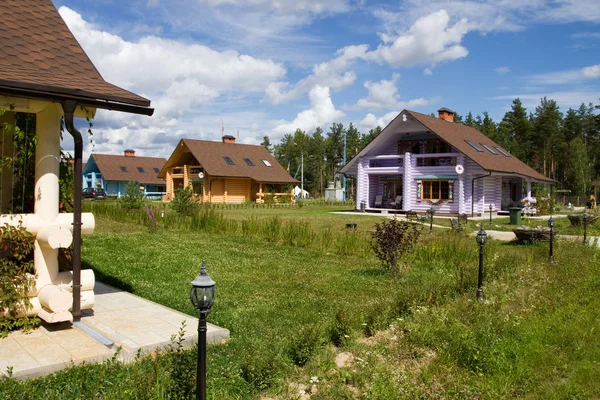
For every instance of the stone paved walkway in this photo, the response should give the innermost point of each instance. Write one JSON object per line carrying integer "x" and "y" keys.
{"x": 129, "y": 321}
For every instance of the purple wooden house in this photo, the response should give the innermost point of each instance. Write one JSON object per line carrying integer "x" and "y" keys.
{"x": 418, "y": 161}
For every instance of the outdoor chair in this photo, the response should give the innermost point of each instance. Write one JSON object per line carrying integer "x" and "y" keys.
{"x": 462, "y": 220}
{"x": 456, "y": 226}
{"x": 378, "y": 201}
{"x": 397, "y": 203}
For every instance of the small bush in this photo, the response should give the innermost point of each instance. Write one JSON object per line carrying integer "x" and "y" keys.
{"x": 393, "y": 239}
{"x": 16, "y": 267}
{"x": 184, "y": 202}
{"x": 339, "y": 333}
{"x": 305, "y": 344}
{"x": 133, "y": 197}
{"x": 262, "y": 368}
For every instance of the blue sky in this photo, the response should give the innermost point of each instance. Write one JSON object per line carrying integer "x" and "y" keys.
{"x": 268, "y": 67}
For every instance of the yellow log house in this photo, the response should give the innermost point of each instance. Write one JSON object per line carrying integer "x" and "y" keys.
{"x": 226, "y": 172}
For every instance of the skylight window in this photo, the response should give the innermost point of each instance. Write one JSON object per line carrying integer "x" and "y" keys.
{"x": 249, "y": 162}
{"x": 489, "y": 149}
{"x": 157, "y": 170}
{"x": 267, "y": 163}
{"x": 502, "y": 151}
{"x": 473, "y": 145}
{"x": 140, "y": 169}
{"x": 123, "y": 169}
{"x": 228, "y": 160}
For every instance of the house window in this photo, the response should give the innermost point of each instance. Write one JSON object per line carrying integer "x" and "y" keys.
{"x": 473, "y": 145}
{"x": 435, "y": 190}
{"x": 197, "y": 187}
{"x": 156, "y": 170}
{"x": 485, "y": 146}
{"x": 267, "y": 163}
{"x": 123, "y": 169}
{"x": 140, "y": 169}
{"x": 177, "y": 171}
{"x": 502, "y": 151}
{"x": 228, "y": 160}
{"x": 249, "y": 162}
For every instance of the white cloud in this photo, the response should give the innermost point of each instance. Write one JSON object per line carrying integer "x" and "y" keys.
{"x": 330, "y": 74}
{"x": 384, "y": 94}
{"x": 566, "y": 77}
{"x": 565, "y": 100}
{"x": 430, "y": 40}
{"x": 502, "y": 70}
{"x": 322, "y": 112}
{"x": 286, "y": 6}
{"x": 171, "y": 73}
{"x": 370, "y": 121}
{"x": 427, "y": 71}
{"x": 586, "y": 35}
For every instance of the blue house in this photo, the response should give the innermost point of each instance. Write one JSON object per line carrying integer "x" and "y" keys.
{"x": 113, "y": 172}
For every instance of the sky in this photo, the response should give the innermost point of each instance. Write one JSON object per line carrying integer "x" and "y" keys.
{"x": 251, "y": 68}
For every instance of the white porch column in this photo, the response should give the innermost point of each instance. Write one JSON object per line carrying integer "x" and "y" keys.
{"x": 47, "y": 156}
{"x": 408, "y": 195}
{"x": 460, "y": 160}
{"x": 359, "y": 187}
{"x": 528, "y": 189}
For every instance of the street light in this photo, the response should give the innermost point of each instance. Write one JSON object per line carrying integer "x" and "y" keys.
{"x": 431, "y": 211}
{"x": 585, "y": 223}
{"x": 202, "y": 296}
{"x": 551, "y": 226}
{"x": 481, "y": 240}
{"x": 490, "y": 213}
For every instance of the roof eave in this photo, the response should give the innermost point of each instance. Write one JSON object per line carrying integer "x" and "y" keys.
{"x": 83, "y": 98}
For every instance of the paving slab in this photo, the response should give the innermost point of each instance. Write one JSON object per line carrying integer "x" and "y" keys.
{"x": 129, "y": 321}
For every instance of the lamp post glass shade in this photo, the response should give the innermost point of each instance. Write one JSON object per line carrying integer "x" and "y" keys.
{"x": 202, "y": 294}
{"x": 551, "y": 223}
{"x": 481, "y": 236}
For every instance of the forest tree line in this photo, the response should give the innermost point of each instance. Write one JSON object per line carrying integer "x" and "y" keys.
{"x": 562, "y": 146}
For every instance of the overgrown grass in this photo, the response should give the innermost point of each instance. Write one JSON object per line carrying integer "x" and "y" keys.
{"x": 293, "y": 308}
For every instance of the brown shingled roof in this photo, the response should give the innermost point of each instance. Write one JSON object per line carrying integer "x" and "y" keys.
{"x": 110, "y": 168}
{"x": 40, "y": 58}
{"x": 210, "y": 155}
{"x": 456, "y": 134}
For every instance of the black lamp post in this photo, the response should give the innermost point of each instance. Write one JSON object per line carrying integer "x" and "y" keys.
{"x": 481, "y": 240}
{"x": 202, "y": 296}
{"x": 551, "y": 226}
{"x": 585, "y": 223}
{"x": 491, "y": 213}
{"x": 431, "y": 211}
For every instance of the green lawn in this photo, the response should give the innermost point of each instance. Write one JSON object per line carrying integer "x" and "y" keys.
{"x": 291, "y": 310}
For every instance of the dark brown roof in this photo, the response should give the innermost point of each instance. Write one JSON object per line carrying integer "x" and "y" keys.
{"x": 110, "y": 168}
{"x": 40, "y": 58}
{"x": 211, "y": 156}
{"x": 456, "y": 134}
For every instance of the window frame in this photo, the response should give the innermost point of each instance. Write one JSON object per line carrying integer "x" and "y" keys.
{"x": 228, "y": 160}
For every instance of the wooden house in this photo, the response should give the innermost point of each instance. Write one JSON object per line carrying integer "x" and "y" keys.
{"x": 113, "y": 173}
{"x": 418, "y": 161}
{"x": 227, "y": 172}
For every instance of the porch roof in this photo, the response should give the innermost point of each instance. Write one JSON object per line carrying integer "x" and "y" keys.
{"x": 41, "y": 59}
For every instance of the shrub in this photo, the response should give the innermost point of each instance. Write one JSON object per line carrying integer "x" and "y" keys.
{"x": 341, "y": 329}
{"x": 16, "y": 267}
{"x": 133, "y": 197}
{"x": 393, "y": 239}
{"x": 184, "y": 202}
{"x": 305, "y": 344}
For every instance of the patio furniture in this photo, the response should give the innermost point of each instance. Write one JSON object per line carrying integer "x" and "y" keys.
{"x": 456, "y": 226}
{"x": 397, "y": 203}
{"x": 530, "y": 235}
{"x": 577, "y": 220}
{"x": 378, "y": 201}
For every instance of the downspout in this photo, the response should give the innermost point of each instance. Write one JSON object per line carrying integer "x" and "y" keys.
{"x": 69, "y": 108}
{"x": 473, "y": 189}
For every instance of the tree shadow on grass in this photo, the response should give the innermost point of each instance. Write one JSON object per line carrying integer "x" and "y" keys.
{"x": 107, "y": 279}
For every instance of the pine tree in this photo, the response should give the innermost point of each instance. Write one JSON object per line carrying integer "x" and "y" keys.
{"x": 266, "y": 143}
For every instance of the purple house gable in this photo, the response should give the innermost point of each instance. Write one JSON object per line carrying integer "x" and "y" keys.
{"x": 418, "y": 161}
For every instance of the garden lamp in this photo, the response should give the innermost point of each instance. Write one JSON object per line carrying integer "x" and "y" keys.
{"x": 431, "y": 211}
{"x": 481, "y": 241}
{"x": 202, "y": 296}
{"x": 585, "y": 223}
{"x": 551, "y": 226}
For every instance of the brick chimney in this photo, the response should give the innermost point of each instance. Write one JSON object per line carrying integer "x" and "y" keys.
{"x": 228, "y": 139}
{"x": 129, "y": 153}
{"x": 446, "y": 114}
